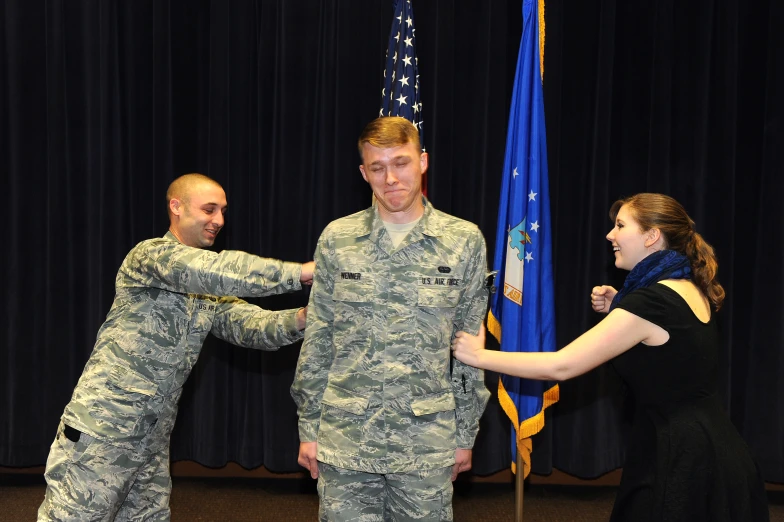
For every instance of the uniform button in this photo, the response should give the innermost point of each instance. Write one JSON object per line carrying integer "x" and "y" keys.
{"x": 290, "y": 282}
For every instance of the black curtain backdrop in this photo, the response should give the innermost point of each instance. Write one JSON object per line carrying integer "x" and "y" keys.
{"x": 103, "y": 103}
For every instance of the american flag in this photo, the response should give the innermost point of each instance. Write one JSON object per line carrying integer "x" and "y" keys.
{"x": 400, "y": 95}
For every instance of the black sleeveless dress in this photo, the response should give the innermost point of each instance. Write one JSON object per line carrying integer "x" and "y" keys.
{"x": 685, "y": 461}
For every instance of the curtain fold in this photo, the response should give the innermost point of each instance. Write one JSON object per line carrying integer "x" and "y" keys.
{"x": 103, "y": 103}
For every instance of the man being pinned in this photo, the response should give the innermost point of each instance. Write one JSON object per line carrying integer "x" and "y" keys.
{"x": 386, "y": 422}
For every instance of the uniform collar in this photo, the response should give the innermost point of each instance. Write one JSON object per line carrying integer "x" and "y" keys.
{"x": 431, "y": 224}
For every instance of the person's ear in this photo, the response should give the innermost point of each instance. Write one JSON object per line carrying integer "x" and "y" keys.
{"x": 362, "y": 170}
{"x": 175, "y": 206}
{"x": 652, "y": 237}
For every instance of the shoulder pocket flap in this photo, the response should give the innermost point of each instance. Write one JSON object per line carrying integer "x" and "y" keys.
{"x": 438, "y": 297}
{"x": 345, "y": 400}
{"x": 433, "y": 403}
{"x": 130, "y": 381}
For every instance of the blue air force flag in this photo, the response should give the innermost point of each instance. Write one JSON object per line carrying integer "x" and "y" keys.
{"x": 522, "y": 315}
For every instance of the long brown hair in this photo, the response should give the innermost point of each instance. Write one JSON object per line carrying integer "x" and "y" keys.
{"x": 663, "y": 212}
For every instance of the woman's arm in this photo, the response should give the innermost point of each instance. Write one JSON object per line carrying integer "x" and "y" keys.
{"x": 615, "y": 334}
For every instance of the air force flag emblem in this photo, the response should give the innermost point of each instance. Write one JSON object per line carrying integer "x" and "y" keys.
{"x": 516, "y": 239}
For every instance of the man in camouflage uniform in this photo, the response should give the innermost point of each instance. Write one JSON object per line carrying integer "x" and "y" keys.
{"x": 111, "y": 454}
{"x": 386, "y": 422}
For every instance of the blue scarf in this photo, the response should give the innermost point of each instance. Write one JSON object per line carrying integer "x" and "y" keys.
{"x": 664, "y": 264}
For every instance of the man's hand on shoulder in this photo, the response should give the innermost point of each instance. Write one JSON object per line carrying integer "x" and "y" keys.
{"x": 301, "y": 318}
{"x": 306, "y": 278}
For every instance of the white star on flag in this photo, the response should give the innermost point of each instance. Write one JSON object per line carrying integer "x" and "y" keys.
{"x": 535, "y": 226}
{"x": 532, "y": 196}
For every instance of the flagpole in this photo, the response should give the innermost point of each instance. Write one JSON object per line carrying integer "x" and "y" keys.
{"x": 519, "y": 482}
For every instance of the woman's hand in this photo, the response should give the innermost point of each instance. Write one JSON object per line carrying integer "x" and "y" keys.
{"x": 601, "y": 298}
{"x": 469, "y": 348}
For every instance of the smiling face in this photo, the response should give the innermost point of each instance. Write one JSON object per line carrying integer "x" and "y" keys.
{"x": 197, "y": 214}
{"x": 395, "y": 176}
{"x": 630, "y": 244}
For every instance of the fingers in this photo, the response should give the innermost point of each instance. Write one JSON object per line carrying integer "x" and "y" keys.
{"x": 458, "y": 468}
{"x": 307, "y": 457}
{"x": 463, "y": 458}
{"x": 301, "y": 318}
{"x": 306, "y": 277}
{"x": 480, "y": 335}
{"x": 600, "y": 297}
{"x": 309, "y": 464}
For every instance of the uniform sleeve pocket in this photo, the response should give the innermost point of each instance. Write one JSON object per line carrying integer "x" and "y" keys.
{"x": 345, "y": 400}
{"x": 438, "y": 297}
{"x": 433, "y": 403}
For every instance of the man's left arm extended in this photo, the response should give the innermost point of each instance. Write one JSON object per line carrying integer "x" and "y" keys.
{"x": 250, "y": 326}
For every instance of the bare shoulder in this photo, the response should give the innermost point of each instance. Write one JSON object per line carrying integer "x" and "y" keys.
{"x": 692, "y": 295}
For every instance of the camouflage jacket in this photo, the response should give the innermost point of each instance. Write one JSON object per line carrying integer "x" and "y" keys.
{"x": 375, "y": 385}
{"x": 166, "y": 302}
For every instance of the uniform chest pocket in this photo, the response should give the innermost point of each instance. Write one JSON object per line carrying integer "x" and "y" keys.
{"x": 353, "y": 292}
{"x": 429, "y": 297}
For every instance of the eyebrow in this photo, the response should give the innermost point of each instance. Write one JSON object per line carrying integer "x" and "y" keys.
{"x": 396, "y": 158}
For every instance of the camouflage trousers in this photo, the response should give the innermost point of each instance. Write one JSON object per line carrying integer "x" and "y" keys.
{"x": 92, "y": 480}
{"x": 354, "y": 496}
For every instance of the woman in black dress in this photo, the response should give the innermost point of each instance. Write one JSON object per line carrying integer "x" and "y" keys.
{"x": 685, "y": 459}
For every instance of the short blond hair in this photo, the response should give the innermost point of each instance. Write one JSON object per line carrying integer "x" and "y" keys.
{"x": 389, "y": 131}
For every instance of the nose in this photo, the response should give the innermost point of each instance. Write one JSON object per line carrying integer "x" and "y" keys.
{"x": 610, "y": 236}
{"x": 391, "y": 178}
{"x": 218, "y": 219}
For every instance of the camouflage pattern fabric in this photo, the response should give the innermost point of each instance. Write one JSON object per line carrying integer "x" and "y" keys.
{"x": 93, "y": 480}
{"x": 373, "y": 384}
{"x": 355, "y": 496}
{"x": 168, "y": 298}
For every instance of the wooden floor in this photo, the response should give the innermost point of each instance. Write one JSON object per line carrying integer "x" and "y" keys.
{"x": 291, "y": 500}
